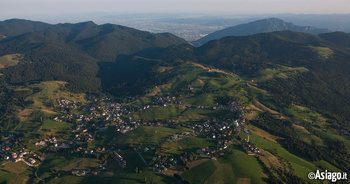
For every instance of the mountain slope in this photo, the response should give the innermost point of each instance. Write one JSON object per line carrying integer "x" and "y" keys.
{"x": 325, "y": 85}
{"x": 14, "y": 27}
{"x": 113, "y": 40}
{"x": 338, "y": 38}
{"x": 70, "y": 52}
{"x": 260, "y": 26}
{"x": 295, "y": 67}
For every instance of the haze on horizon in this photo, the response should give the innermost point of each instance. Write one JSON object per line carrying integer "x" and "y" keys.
{"x": 28, "y": 8}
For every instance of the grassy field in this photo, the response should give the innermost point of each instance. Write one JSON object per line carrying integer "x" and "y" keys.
{"x": 307, "y": 136}
{"x": 181, "y": 114}
{"x": 55, "y": 163}
{"x": 44, "y": 97}
{"x": 66, "y": 179}
{"x": 243, "y": 165}
{"x": 12, "y": 167}
{"x": 188, "y": 144}
{"x": 115, "y": 174}
{"x": 323, "y": 51}
{"x": 11, "y": 172}
{"x": 52, "y": 127}
{"x": 262, "y": 133}
{"x": 234, "y": 166}
{"x": 159, "y": 113}
{"x": 11, "y": 178}
{"x": 146, "y": 136}
{"x": 10, "y": 60}
{"x": 301, "y": 113}
{"x": 84, "y": 163}
{"x": 300, "y": 166}
{"x": 103, "y": 138}
{"x": 132, "y": 178}
{"x": 205, "y": 99}
{"x": 200, "y": 173}
{"x": 223, "y": 174}
{"x": 194, "y": 115}
{"x": 278, "y": 72}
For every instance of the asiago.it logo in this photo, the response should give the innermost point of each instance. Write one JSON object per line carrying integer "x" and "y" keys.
{"x": 327, "y": 175}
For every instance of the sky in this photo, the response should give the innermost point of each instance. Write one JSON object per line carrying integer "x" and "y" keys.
{"x": 25, "y": 8}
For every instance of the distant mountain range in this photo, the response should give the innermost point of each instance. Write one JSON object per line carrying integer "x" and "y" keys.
{"x": 104, "y": 42}
{"x": 260, "y": 26}
{"x": 71, "y": 52}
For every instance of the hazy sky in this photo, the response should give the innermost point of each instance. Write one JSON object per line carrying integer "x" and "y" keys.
{"x": 20, "y": 8}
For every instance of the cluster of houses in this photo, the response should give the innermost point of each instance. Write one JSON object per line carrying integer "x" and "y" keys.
{"x": 162, "y": 101}
{"x": 47, "y": 141}
{"x": 9, "y": 143}
{"x": 84, "y": 172}
{"x": 65, "y": 103}
{"x": 177, "y": 137}
{"x": 12, "y": 150}
{"x": 90, "y": 171}
{"x": 80, "y": 172}
{"x": 250, "y": 148}
{"x": 222, "y": 132}
{"x": 103, "y": 111}
{"x": 125, "y": 127}
{"x": 161, "y": 163}
{"x": 205, "y": 152}
{"x": 25, "y": 156}
{"x": 216, "y": 129}
{"x": 82, "y": 136}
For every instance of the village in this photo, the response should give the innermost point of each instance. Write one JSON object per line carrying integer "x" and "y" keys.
{"x": 12, "y": 150}
{"x": 99, "y": 115}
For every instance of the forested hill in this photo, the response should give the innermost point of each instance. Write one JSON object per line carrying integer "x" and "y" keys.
{"x": 259, "y": 26}
{"x": 70, "y": 52}
{"x": 104, "y": 42}
{"x": 338, "y": 38}
{"x": 323, "y": 83}
{"x": 297, "y": 68}
{"x": 15, "y": 27}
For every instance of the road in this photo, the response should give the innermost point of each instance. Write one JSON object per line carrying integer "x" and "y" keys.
{"x": 144, "y": 161}
{"x": 36, "y": 172}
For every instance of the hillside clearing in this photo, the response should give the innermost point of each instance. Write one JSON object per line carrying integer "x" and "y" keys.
{"x": 10, "y": 60}
{"x": 82, "y": 164}
{"x": 324, "y": 52}
{"x": 44, "y": 97}
{"x": 263, "y": 108}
